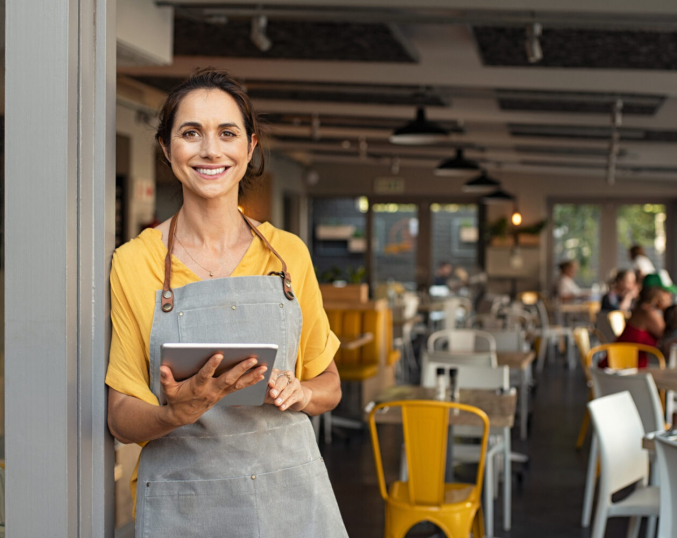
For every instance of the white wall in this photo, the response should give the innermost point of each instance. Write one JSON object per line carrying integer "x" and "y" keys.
{"x": 145, "y": 32}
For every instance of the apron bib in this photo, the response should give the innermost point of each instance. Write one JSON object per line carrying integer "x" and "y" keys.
{"x": 238, "y": 472}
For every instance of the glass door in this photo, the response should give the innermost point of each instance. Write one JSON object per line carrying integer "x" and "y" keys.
{"x": 576, "y": 236}
{"x": 394, "y": 244}
{"x": 640, "y": 225}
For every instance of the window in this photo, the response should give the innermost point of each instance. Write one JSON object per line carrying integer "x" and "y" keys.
{"x": 643, "y": 225}
{"x": 455, "y": 235}
{"x": 576, "y": 236}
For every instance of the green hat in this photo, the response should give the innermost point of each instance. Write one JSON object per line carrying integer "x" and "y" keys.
{"x": 659, "y": 280}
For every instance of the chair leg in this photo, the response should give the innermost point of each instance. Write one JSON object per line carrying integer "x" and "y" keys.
{"x": 478, "y": 525}
{"x": 583, "y": 431}
{"x": 488, "y": 497}
{"x": 633, "y": 527}
{"x": 651, "y": 525}
{"x": 590, "y": 483}
{"x": 542, "y": 351}
{"x": 599, "y": 527}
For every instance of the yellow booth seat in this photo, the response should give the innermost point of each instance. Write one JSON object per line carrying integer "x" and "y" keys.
{"x": 363, "y": 363}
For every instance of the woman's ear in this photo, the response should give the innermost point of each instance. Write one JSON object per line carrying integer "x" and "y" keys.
{"x": 165, "y": 150}
{"x": 252, "y": 147}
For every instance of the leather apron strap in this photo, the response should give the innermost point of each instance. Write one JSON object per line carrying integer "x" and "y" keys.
{"x": 168, "y": 294}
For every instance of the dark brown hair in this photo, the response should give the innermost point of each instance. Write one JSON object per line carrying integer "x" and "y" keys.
{"x": 213, "y": 79}
{"x": 620, "y": 275}
{"x": 636, "y": 250}
{"x": 649, "y": 294}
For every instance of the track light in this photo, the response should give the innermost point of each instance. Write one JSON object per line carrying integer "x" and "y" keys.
{"x": 533, "y": 43}
{"x": 258, "y": 33}
{"x": 419, "y": 131}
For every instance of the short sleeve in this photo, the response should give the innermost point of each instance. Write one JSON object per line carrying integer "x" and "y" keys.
{"x": 318, "y": 343}
{"x": 127, "y": 364}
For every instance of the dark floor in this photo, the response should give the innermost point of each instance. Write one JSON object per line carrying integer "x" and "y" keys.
{"x": 549, "y": 500}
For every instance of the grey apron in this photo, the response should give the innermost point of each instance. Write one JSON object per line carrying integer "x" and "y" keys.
{"x": 253, "y": 472}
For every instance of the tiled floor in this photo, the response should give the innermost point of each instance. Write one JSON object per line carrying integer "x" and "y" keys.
{"x": 547, "y": 504}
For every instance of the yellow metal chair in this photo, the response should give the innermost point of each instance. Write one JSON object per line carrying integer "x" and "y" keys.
{"x": 616, "y": 321}
{"x": 622, "y": 355}
{"x": 455, "y": 508}
{"x": 582, "y": 338}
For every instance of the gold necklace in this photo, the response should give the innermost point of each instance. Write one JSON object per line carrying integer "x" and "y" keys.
{"x": 211, "y": 273}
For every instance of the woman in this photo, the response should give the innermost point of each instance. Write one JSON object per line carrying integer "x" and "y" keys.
{"x": 623, "y": 294}
{"x": 206, "y": 469}
{"x": 646, "y": 324}
{"x": 640, "y": 262}
{"x": 566, "y": 289}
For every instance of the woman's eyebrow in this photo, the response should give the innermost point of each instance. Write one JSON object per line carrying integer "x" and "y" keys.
{"x": 199, "y": 125}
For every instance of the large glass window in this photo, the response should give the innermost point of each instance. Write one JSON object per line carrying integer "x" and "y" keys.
{"x": 394, "y": 239}
{"x": 454, "y": 235}
{"x": 643, "y": 225}
{"x": 576, "y": 236}
{"x": 339, "y": 243}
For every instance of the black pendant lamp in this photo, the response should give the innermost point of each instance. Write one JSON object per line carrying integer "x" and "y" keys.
{"x": 498, "y": 197}
{"x": 457, "y": 166}
{"x": 420, "y": 131}
{"x": 482, "y": 184}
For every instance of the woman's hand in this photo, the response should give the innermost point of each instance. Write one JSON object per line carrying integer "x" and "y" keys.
{"x": 188, "y": 400}
{"x": 286, "y": 392}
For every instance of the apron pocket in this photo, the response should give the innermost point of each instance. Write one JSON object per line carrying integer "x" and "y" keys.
{"x": 209, "y": 508}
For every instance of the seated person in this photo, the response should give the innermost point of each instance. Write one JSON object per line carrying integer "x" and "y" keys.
{"x": 623, "y": 293}
{"x": 670, "y": 332}
{"x": 646, "y": 325}
{"x": 566, "y": 289}
{"x": 442, "y": 274}
{"x": 640, "y": 262}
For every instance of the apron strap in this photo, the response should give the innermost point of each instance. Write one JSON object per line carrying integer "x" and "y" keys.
{"x": 168, "y": 294}
{"x": 284, "y": 274}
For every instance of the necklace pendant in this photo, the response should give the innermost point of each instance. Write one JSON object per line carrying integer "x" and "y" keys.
{"x": 211, "y": 274}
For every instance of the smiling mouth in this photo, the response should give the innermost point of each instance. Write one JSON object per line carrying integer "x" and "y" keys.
{"x": 211, "y": 171}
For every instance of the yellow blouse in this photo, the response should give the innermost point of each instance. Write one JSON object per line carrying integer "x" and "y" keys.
{"x": 137, "y": 274}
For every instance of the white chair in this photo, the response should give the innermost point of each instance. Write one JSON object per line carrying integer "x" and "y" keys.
{"x": 481, "y": 377}
{"x": 548, "y": 333}
{"x": 456, "y": 309}
{"x": 619, "y": 432}
{"x": 670, "y": 395}
{"x": 666, "y": 451}
{"x": 468, "y": 340}
{"x": 644, "y": 393}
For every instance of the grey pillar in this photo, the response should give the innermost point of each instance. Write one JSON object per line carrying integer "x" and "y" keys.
{"x": 59, "y": 222}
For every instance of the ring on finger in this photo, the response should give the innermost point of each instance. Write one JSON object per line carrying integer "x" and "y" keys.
{"x": 288, "y": 375}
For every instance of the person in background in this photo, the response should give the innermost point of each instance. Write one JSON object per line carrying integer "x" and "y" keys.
{"x": 566, "y": 288}
{"x": 646, "y": 324}
{"x": 640, "y": 262}
{"x": 442, "y": 273}
{"x": 670, "y": 332}
{"x": 623, "y": 294}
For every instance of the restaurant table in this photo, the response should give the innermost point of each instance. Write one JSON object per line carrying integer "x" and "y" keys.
{"x": 587, "y": 307}
{"x": 499, "y": 407}
{"x": 355, "y": 342}
{"x": 518, "y": 361}
{"x": 649, "y": 440}
{"x": 665, "y": 379}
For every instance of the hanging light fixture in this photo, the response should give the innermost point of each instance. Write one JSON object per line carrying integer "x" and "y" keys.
{"x": 457, "y": 166}
{"x": 498, "y": 197}
{"x": 482, "y": 184}
{"x": 419, "y": 131}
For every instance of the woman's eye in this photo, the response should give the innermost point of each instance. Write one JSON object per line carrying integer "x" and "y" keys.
{"x": 227, "y": 134}
{"x": 190, "y": 134}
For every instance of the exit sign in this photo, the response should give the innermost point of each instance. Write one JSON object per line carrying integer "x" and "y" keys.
{"x": 389, "y": 185}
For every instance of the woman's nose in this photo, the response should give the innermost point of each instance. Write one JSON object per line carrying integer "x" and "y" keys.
{"x": 210, "y": 147}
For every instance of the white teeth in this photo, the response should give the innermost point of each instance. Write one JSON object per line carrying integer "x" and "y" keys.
{"x": 211, "y": 171}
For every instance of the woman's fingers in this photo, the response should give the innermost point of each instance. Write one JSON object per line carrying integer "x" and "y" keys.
{"x": 167, "y": 381}
{"x": 281, "y": 382}
{"x": 207, "y": 371}
{"x": 273, "y": 378}
{"x": 289, "y": 396}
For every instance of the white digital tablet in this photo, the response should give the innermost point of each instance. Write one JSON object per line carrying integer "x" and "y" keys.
{"x": 185, "y": 360}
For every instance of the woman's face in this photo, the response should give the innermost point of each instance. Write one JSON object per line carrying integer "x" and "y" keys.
{"x": 209, "y": 150}
{"x": 664, "y": 300}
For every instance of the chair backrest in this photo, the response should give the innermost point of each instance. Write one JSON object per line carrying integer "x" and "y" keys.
{"x": 619, "y": 433}
{"x": 411, "y": 302}
{"x": 461, "y": 340}
{"x": 484, "y": 322}
{"x": 666, "y": 450}
{"x": 440, "y": 359}
{"x": 454, "y": 306}
{"x": 641, "y": 387}
{"x": 616, "y": 321}
{"x": 479, "y": 375}
{"x": 582, "y": 339}
{"x": 353, "y": 323}
{"x": 622, "y": 355}
{"x": 507, "y": 340}
{"x": 672, "y": 358}
{"x": 425, "y": 426}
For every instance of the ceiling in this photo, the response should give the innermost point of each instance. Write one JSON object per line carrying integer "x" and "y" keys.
{"x": 339, "y": 78}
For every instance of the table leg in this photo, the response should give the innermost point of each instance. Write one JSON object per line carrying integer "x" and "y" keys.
{"x": 507, "y": 481}
{"x": 524, "y": 403}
